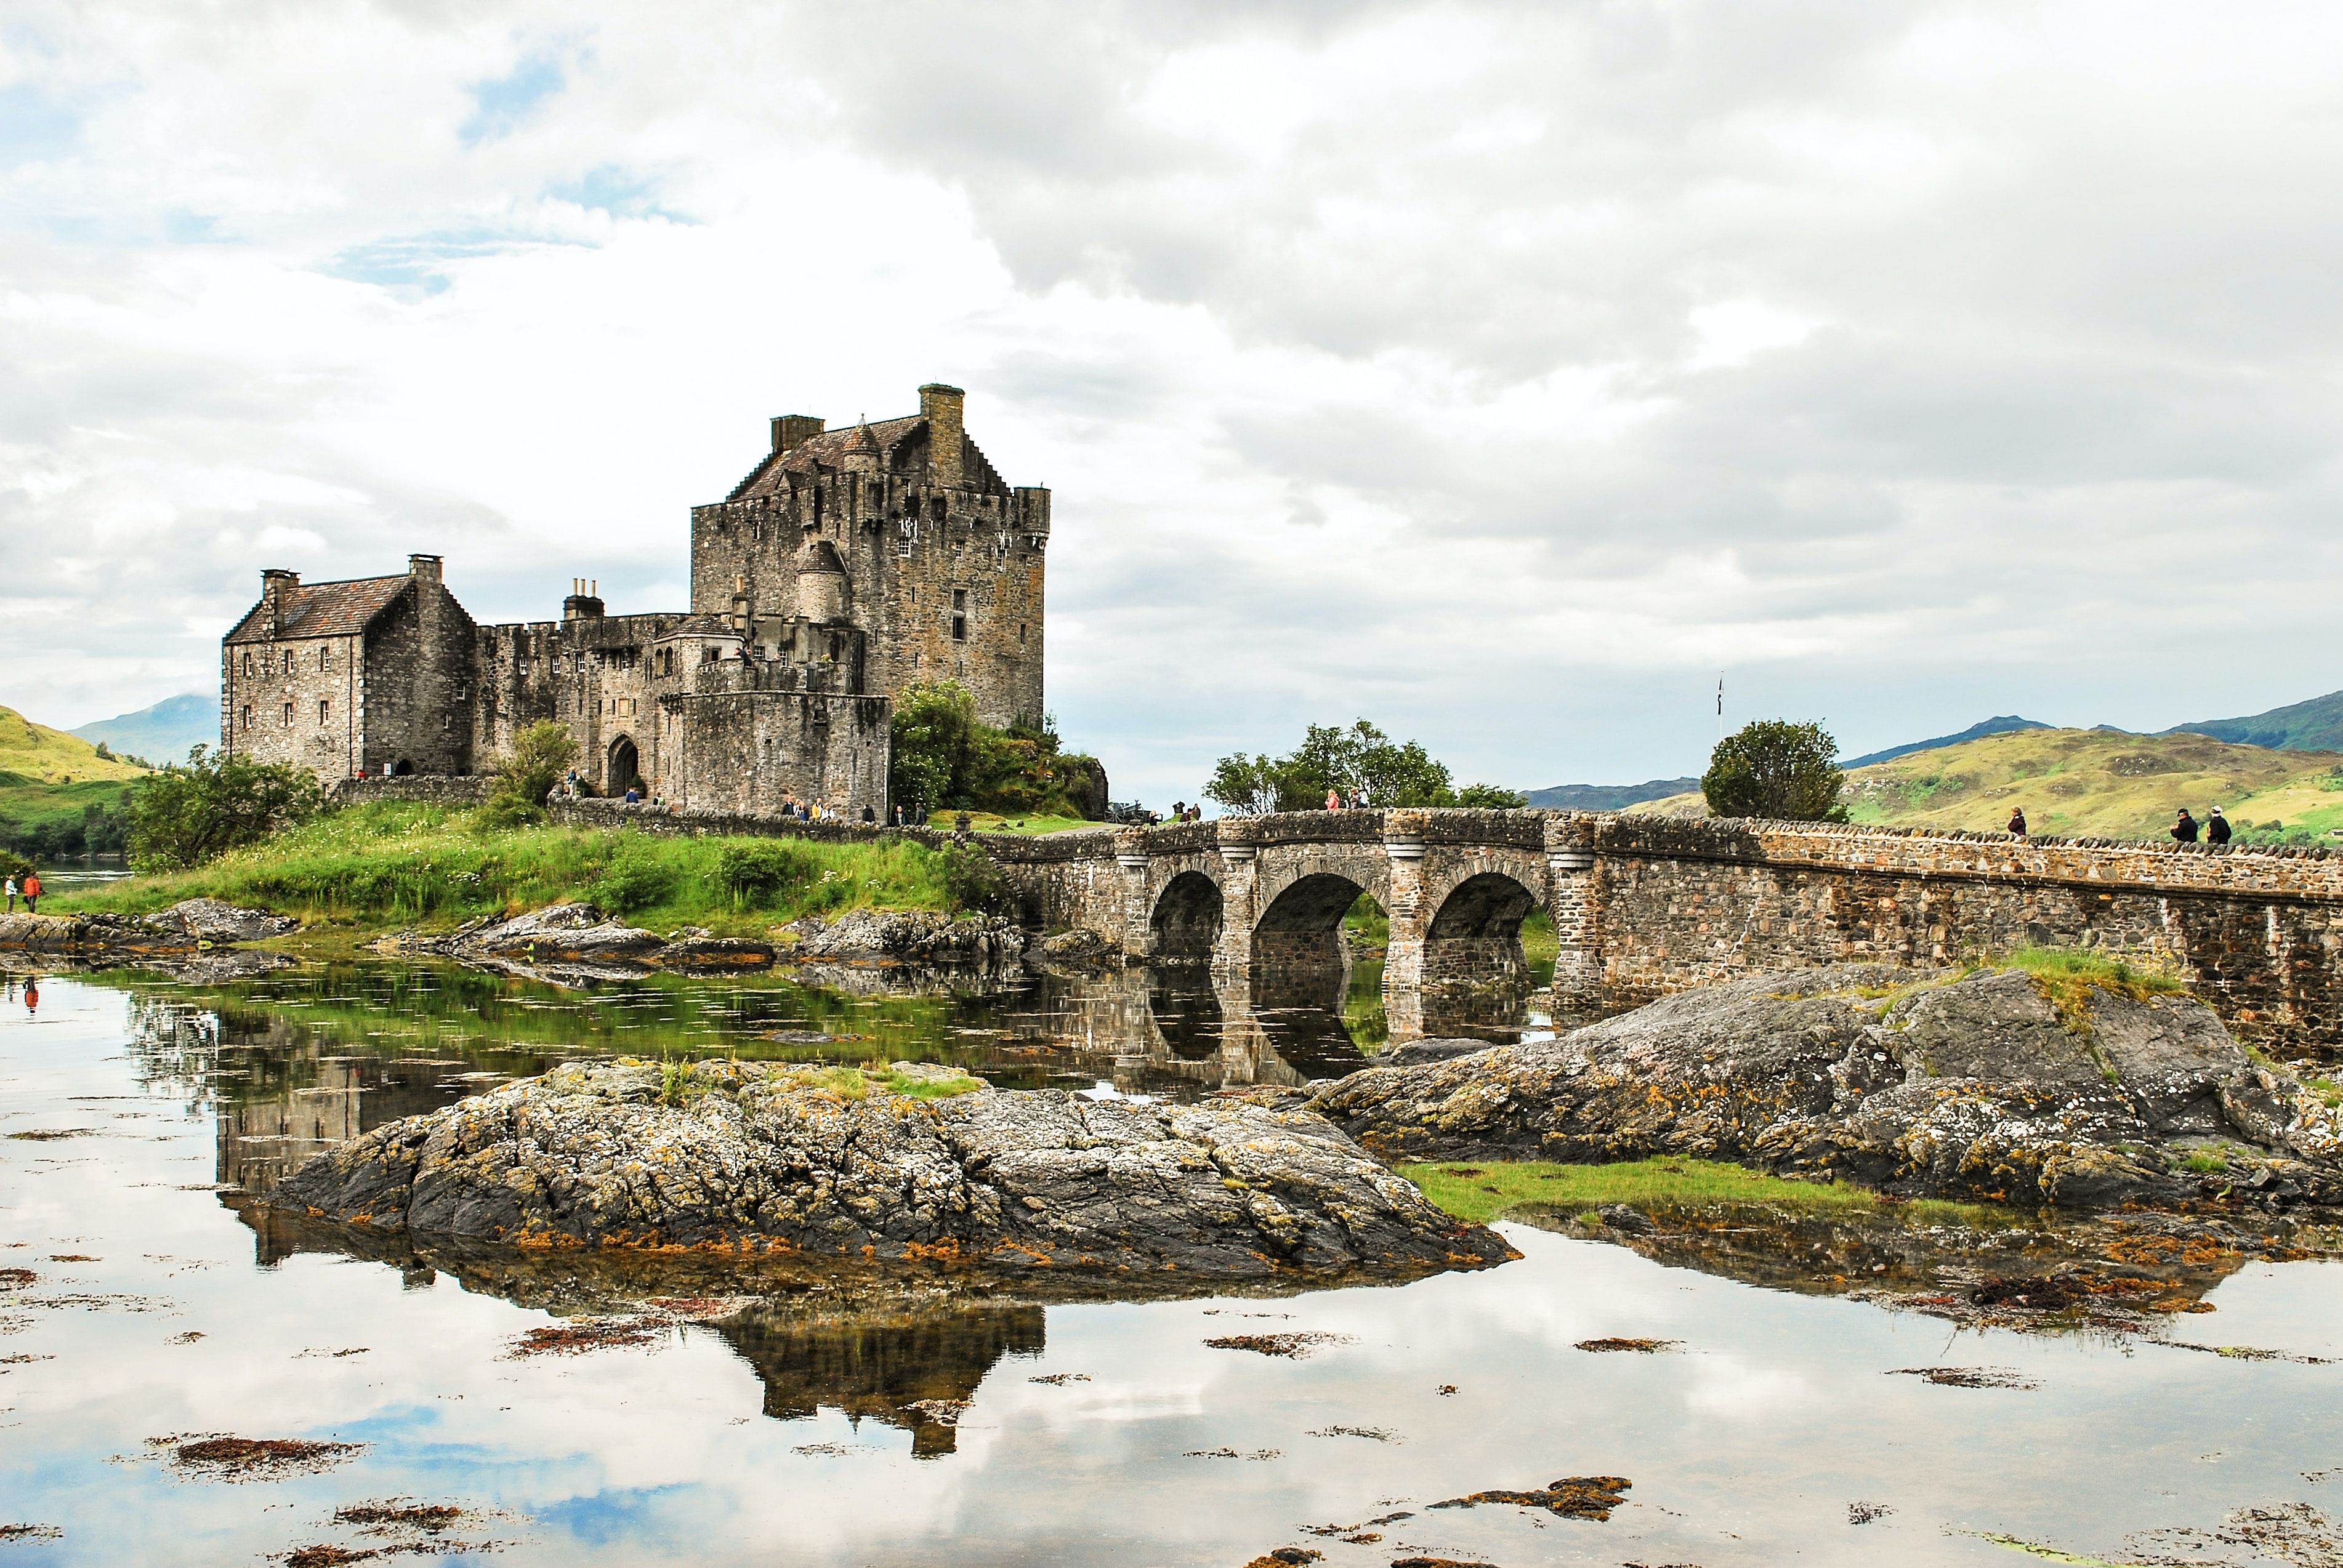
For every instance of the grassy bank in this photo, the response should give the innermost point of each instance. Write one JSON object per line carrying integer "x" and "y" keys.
{"x": 1480, "y": 1191}
{"x": 397, "y": 864}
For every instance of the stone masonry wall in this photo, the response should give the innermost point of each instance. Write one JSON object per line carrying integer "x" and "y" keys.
{"x": 297, "y": 700}
{"x": 418, "y": 680}
{"x": 1671, "y": 904}
{"x": 470, "y": 789}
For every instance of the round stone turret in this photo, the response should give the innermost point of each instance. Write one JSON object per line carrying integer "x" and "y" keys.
{"x": 821, "y": 582}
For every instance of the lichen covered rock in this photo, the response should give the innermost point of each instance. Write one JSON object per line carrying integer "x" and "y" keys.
{"x": 756, "y": 1156}
{"x": 1968, "y": 1085}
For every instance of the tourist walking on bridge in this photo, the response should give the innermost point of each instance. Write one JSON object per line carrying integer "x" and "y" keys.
{"x": 1333, "y": 798}
{"x": 2184, "y": 830}
{"x": 2216, "y": 829}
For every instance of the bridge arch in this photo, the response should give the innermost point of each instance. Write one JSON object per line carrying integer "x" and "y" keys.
{"x": 1300, "y": 927}
{"x": 1186, "y": 920}
{"x": 1472, "y": 938}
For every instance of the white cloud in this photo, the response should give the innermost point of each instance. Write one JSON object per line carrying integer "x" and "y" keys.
{"x": 1495, "y": 371}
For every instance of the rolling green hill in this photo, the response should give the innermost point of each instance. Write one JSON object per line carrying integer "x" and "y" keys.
{"x": 57, "y": 795}
{"x": 2093, "y": 783}
{"x": 2313, "y": 726}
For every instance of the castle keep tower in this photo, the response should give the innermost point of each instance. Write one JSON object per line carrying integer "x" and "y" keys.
{"x": 899, "y": 532}
{"x": 846, "y": 566}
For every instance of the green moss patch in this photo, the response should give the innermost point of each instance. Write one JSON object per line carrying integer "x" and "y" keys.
{"x": 1479, "y": 1190}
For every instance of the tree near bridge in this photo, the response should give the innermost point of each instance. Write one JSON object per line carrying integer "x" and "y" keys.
{"x": 1774, "y": 769}
{"x": 1394, "y": 773}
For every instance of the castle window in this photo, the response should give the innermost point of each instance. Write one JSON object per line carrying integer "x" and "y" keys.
{"x": 288, "y": 661}
{"x": 936, "y": 509}
{"x": 1020, "y": 634}
{"x": 325, "y": 709}
{"x": 325, "y": 660}
{"x": 248, "y": 709}
{"x": 288, "y": 716}
{"x": 247, "y": 663}
{"x": 960, "y": 615}
{"x": 817, "y": 506}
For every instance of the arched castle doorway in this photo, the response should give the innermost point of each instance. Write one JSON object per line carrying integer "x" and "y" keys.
{"x": 624, "y": 767}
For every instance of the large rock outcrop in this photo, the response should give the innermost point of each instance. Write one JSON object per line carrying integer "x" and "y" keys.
{"x": 755, "y": 1156}
{"x": 573, "y": 943}
{"x": 1970, "y": 1085}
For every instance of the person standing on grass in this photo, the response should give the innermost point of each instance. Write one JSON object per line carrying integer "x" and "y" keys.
{"x": 32, "y": 892}
{"x": 2216, "y": 829}
{"x": 2184, "y": 829}
{"x": 12, "y": 895}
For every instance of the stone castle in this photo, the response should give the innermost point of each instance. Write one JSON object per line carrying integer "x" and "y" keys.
{"x": 846, "y": 566}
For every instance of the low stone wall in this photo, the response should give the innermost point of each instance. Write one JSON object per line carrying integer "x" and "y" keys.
{"x": 1668, "y": 904}
{"x": 439, "y": 789}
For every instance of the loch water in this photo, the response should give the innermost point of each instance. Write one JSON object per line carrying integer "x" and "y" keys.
{"x": 151, "y": 1306}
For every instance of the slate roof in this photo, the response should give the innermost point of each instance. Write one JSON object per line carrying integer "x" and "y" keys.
{"x": 829, "y": 450}
{"x": 323, "y": 609}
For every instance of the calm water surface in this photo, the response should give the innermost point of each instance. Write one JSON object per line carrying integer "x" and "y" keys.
{"x": 829, "y": 1436}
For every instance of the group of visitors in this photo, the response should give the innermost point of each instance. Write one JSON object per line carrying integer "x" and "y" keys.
{"x": 2184, "y": 828}
{"x": 30, "y": 891}
{"x": 2217, "y": 827}
{"x": 1183, "y": 811}
{"x": 1356, "y": 801}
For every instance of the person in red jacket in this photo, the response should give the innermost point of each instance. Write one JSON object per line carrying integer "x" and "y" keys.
{"x": 32, "y": 892}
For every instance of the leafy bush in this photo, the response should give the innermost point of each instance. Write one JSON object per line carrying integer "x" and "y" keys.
{"x": 1776, "y": 770}
{"x": 757, "y": 872}
{"x": 541, "y": 754}
{"x": 636, "y": 878}
{"x": 972, "y": 879}
{"x": 193, "y": 811}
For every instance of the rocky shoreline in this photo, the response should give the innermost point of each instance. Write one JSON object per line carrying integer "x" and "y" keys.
{"x": 917, "y": 1163}
{"x": 197, "y": 937}
{"x": 576, "y": 944}
{"x": 1950, "y": 1084}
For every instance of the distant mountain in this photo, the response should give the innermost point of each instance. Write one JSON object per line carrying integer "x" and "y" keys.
{"x": 161, "y": 733}
{"x": 2313, "y": 726}
{"x": 1608, "y": 796}
{"x": 2006, "y": 724}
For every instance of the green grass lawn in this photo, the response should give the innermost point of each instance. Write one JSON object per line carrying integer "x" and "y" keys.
{"x": 1479, "y": 1190}
{"x": 993, "y": 822}
{"x": 394, "y": 863}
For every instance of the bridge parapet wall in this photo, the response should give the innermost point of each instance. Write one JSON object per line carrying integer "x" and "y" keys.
{"x": 1663, "y": 905}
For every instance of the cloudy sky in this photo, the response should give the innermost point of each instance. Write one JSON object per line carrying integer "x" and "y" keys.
{"x": 1497, "y": 372}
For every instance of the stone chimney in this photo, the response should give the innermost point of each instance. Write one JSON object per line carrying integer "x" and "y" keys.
{"x": 585, "y": 600}
{"x": 423, "y": 568}
{"x": 940, "y": 407}
{"x": 277, "y": 589}
{"x": 790, "y": 430}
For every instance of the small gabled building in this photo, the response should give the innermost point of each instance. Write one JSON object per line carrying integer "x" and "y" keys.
{"x": 369, "y": 676}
